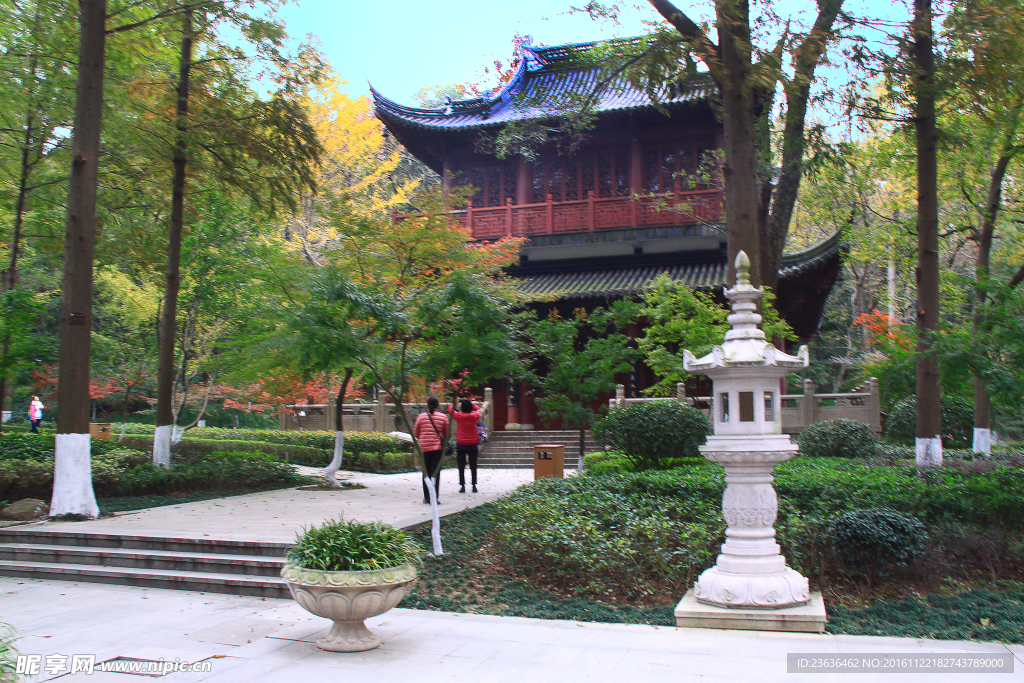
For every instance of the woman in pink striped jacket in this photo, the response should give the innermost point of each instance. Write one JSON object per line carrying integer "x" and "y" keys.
{"x": 431, "y": 431}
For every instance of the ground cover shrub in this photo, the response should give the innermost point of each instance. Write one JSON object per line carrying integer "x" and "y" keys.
{"x": 345, "y": 545}
{"x": 877, "y": 539}
{"x": 654, "y": 433}
{"x": 609, "y": 533}
{"x": 459, "y": 581}
{"x": 975, "y": 615}
{"x": 957, "y": 422}
{"x": 839, "y": 438}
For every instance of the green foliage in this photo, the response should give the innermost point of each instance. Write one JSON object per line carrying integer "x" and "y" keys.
{"x": 347, "y": 545}
{"x": 576, "y": 359}
{"x": 839, "y": 438}
{"x": 957, "y": 422}
{"x": 877, "y": 539}
{"x": 604, "y": 532}
{"x": 976, "y": 615}
{"x": 127, "y": 472}
{"x": 680, "y": 318}
{"x": 8, "y": 654}
{"x": 655, "y": 433}
{"x": 457, "y": 581}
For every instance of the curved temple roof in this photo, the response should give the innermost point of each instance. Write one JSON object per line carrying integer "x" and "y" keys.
{"x": 545, "y": 80}
{"x": 586, "y": 283}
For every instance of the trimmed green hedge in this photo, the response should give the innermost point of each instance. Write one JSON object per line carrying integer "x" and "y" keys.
{"x": 623, "y": 528}
{"x": 127, "y": 472}
{"x": 204, "y": 446}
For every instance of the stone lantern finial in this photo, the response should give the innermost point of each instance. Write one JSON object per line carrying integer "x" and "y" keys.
{"x": 742, "y": 264}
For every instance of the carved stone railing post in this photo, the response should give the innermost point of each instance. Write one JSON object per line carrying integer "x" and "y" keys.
{"x": 809, "y": 404}
{"x": 380, "y": 413}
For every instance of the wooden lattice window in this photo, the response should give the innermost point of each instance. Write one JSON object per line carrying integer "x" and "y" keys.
{"x": 675, "y": 168}
{"x": 494, "y": 183}
{"x": 606, "y": 174}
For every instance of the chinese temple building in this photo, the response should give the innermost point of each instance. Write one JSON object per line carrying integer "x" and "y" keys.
{"x": 633, "y": 201}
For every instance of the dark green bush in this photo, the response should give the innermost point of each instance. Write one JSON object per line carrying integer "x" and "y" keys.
{"x": 957, "y": 422}
{"x": 653, "y": 433}
{"x": 877, "y": 539}
{"x": 347, "y": 545}
{"x": 838, "y": 439}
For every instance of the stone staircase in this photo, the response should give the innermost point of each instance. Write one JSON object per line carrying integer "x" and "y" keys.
{"x": 515, "y": 449}
{"x": 214, "y": 566}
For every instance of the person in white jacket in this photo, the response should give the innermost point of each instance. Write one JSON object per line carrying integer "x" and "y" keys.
{"x": 35, "y": 414}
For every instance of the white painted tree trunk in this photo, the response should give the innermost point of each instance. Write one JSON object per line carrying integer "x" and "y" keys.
{"x": 72, "y": 477}
{"x": 124, "y": 430}
{"x": 435, "y": 520}
{"x": 929, "y": 451}
{"x": 176, "y": 434}
{"x": 331, "y": 470}
{"x": 162, "y": 446}
{"x": 982, "y": 442}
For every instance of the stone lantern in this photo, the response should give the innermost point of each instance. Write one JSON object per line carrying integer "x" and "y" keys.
{"x": 750, "y": 575}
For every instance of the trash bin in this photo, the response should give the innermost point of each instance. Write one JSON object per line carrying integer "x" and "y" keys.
{"x": 548, "y": 460}
{"x": 100, "y": 430}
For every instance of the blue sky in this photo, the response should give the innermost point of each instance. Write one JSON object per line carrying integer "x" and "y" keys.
{"x": 404, "y": 45}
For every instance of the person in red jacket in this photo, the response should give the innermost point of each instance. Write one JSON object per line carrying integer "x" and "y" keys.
{"x": 467, "y": 440}
{"x": 431, "y": 431}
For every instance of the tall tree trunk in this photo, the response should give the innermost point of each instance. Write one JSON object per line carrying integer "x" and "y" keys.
{"x": 739, "y": 132}
{"x": 757, "y": 217}
{"x": 72, "y": 472}
{"x": 929, "y": 402}
{"x": 330, "y": 472}
{"x": 168, "y": 324}
{"x": 982, "y": 399}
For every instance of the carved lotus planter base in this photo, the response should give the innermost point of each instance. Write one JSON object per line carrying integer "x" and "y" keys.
{"x": 347, "y": 598}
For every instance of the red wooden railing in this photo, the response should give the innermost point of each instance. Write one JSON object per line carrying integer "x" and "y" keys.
{"x": 590, "y": 214}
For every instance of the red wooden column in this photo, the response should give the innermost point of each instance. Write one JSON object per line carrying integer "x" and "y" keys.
{"x": 635, "y": 171}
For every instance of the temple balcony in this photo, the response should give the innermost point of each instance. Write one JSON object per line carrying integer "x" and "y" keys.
{"x": 591, "y": 214}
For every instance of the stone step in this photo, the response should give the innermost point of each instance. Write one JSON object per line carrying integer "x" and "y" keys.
{"x": 250, "y": 565}
{"x": 210, "y": 582}
{"x": 164, "y": 543}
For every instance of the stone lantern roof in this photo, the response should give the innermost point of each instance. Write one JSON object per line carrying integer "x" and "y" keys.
{"x": 745, "y": 345}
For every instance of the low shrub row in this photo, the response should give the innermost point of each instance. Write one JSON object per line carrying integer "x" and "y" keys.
{"x": 356, "y": 442}
{"x": 126, "y": 472}
{"x": 663, "y": 527}
{"x": 187, "y": 447}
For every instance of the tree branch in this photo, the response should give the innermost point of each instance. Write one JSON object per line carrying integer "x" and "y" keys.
{"x": 702, "y": 46}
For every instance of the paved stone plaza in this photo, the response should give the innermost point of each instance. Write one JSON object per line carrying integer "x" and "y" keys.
{"x": 255, "y": 640}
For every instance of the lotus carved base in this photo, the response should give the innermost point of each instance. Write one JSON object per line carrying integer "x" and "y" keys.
{"x": 347, "y": 598}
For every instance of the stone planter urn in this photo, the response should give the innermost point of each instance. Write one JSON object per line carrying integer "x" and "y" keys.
{"x": 348, "y": 598}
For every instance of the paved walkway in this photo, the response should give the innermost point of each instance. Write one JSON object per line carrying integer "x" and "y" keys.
{"x": 275, "y": 516}
{"x": 253, "y": 640}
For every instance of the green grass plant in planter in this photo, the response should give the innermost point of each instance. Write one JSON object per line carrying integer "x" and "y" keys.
{"x": 349, "y": 571}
